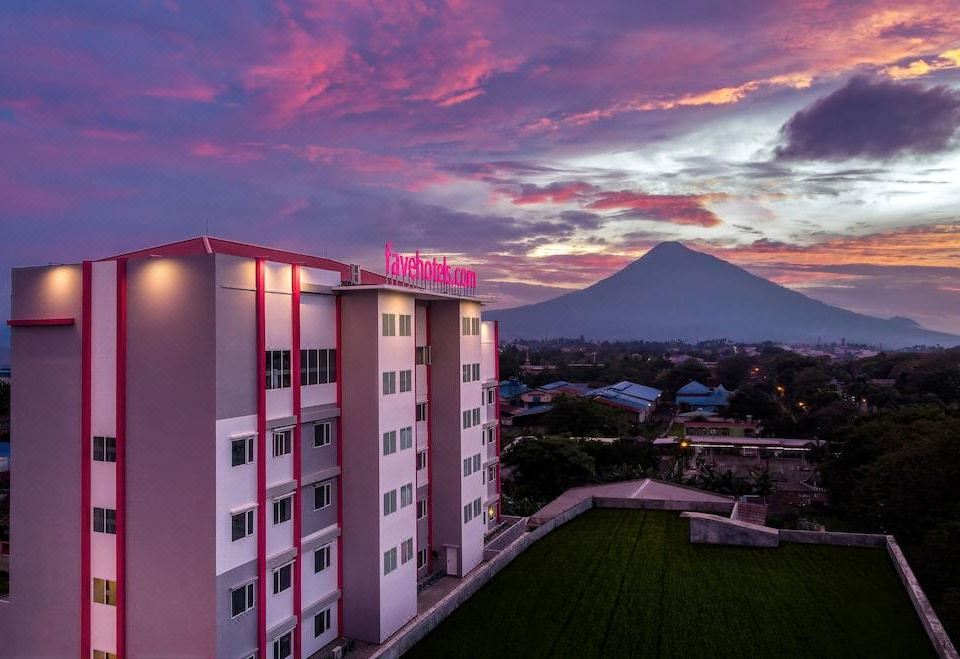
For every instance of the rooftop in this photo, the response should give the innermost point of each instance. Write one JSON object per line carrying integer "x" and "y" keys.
{"x": 628, "y": 583}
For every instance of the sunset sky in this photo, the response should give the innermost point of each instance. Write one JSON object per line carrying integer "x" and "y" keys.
{"x": 545, "y": 143}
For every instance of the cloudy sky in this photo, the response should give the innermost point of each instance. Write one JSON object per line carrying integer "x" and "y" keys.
{"x": 547, "y": 143}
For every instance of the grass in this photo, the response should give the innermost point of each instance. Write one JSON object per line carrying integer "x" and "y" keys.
{"x": 619, "y": 583}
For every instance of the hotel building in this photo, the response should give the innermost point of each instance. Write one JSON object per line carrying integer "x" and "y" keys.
{"x": 225, "y": 450}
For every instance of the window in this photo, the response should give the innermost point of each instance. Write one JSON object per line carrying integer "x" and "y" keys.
{"x": 389, "y": 324}
{"x": 241, "y": 525}
{"x": 465, "y": 326}
{"x": 421, "y": 411}
{"x": 466, "y": 419}
{"x": 491, "y": 396}
{"x": 471, "y": 418}
{"x": 406, "y": 381}
{"x": 476, "y": 462}
{"x": 283, "y": 646}
{"x": 421, "y": 559}
{"x": 389, "y": 560}
{"x": 406, "y": 495}
{"x": 321, "y": 622}
{"x": 467, "y": 467}
{"x": 466, "y": 373}
{"x": 476, "y": 507}
{"x": 282, "y": 510}
{"x": 406, "y": 550}
{"x": 105, "y": 449}
{"x": 406, "y": 438}
{"x": 491, "y": 473}
{"x": 476, "y": 416}
{"x": 105, "y": 591}
{"x": 318, "y": 366}
{"x": 469, "y": 326}
{"x": 101, "y": 654}
{"x": 421, "y": 460}
{"x": 467, "y": 513}
{"x": 390, "y": 442}
{"x": 489, "y": 436}
{"x": 105, "y": 520}
{"x": 322, "y": 433}
{"x": 282, "y": 442}
{"x": 389, "y": 382}
{"x": 321, "y": 559}
{"x": 277, "y": 369}
{"x": 241, "y": 599}
{"x": 421, "y": 508}
{"x": 476, "y": 372}
{"x": 389, "y": 502}
{"x": 241, "y": 451}
{"x": 405, "y": 324}
{"x": 475, "y": 326}
{"x": 282, "y": 578}
{"x": 423, "y": 355}
{"x": 321, "y": 496}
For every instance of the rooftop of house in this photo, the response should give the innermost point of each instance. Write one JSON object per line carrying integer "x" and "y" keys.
{"x": 628, "y": 583}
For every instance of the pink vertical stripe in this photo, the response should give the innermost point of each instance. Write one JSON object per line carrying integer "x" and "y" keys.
{"x": 121, "y": 465}
{"x": 261, "y": 349}
{"x": 85, "y": 457}
{"x": 297, "y": 456}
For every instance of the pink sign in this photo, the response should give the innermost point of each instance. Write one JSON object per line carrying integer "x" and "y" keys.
{"x": 433, "y": 271}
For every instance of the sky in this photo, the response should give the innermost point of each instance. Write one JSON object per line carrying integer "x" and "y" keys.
{"x": 544, "y": 143}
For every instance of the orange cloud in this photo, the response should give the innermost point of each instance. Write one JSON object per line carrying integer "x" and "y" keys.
{"x": 676, "y": 209}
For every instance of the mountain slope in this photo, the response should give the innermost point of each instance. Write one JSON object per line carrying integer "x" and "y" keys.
{"x": 674, "y": 292}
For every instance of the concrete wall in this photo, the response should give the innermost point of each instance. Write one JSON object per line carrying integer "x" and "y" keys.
{"x": 41, "y": 616}
{"x": 833, "y": 538}
{"x": 359, "y": 432}
{"x": 171, "y": 404}
{"x": 714, "y": 530}
{"x": 715, "y": 507}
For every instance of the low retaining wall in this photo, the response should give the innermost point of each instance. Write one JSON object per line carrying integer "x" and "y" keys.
{"x": 425, "y": 622}
{"x": 715, "y": 507}
{"x": 928, "y": 617}
{"x": 708, "y": 529}
{"x": 833, "y": 538}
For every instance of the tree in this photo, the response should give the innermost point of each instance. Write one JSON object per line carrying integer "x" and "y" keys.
{"x": 582, "y": 417}
{"x": 733, "y": 371}
{"x": 4, "y": 399}
{"x": 543, "y": 469}
{"x": 681, "y": 374}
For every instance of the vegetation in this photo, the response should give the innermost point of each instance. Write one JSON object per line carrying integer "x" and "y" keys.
{"x": 617, "y": 583}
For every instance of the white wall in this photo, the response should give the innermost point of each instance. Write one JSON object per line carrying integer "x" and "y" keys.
{"x": 236, "y": 489}
{"x": 471, "y": 443}
{"x": 318, "y": 329}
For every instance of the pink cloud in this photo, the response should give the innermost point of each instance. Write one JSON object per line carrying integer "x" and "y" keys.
{"x": 676, "y": 209}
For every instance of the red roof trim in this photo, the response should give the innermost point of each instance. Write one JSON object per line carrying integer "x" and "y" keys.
{"x": 40, "y": 322}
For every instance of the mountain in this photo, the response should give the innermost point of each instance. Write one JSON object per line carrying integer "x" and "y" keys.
{"x": 674, "y": 292}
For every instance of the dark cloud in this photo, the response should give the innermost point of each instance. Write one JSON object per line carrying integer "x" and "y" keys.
{"x": 872, "y": 118}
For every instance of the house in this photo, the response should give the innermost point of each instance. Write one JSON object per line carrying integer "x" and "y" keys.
{"x": 696, "y": 424}
{"x": 637, "y": 398}
{"x": 546, "y": 393}
{"x": 697, "y": 396}
{"x": 512, "y": 388}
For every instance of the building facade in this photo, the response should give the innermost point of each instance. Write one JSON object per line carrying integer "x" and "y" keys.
{"x": 234, "y": 451}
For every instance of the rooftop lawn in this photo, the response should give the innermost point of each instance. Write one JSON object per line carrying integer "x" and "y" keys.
{"x": 619, "y": 583}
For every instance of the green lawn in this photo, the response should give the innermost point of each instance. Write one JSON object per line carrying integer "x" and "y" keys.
{"x": 619, "y": 583}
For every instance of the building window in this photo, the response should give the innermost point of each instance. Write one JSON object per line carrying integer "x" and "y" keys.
{"x": 475, "y": 326}
{"x": 241, "y": 525}
{"x": 102, "y": 654}
{"x": 476, "y": 462}
{"x": 476, "y": 416}
{"x": 321, "y": 622}
{"x": 283, "y": 646}
{"x": 467, "y": 467}
{"x": 282, "y": 510}
{"x": 491, "y": 473}
{"x": 466, "y": 373}
{"x": 421, "y": 411}
{"x": 406, "y": 550}
{"x": 421, "y": 460}
{"x": 389, "y": 382}
{"x": 389, "y": 502}
{"x": 406, "y": 438}
{"x": 321, "y": 496}
{"x": 423, "y": 355}
{"x": 105, "y": 591}
{"x": 421, "y": 559}
{"x": 278, "y": 369}
{"x": 406, "y": 381}
{"x": 241, "y": 599}
{"x": 389, "y": 560}
{"x": 322, "y": 433}
{"x": 105, "y": 449}
{"x": 421, "y": 508}
{"x": 241, "y": 451}
{"x": 465, "y": 326}
{"x": 318, "y": 366}
{"x": 406, "y": 495}
{"x": 390, "y": 442}
{"x": 466, "y": 419}
{"x": 467, "y": 513}
{"x": 405, "y": 325}
{"x": 476, "y": 507}
{"x": 321, "y": 559}
{"x": 476, "y": 372}
{"x": 282, "y": 442}
{"x": 282, "y": 578}
{"x": 389, "y": 324}
{"x": 491, "y": 396}
{"x": 105, "y": 520}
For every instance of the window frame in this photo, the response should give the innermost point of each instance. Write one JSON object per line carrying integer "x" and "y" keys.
{"x": 248, "y": 524}
{"x": 323, "y": 487}
{"x": 326, "y": 437}
{"x": 281, "y": 503}
{"x": 249, "y": 598}
{"x": 105, "y": 522}
{"x": 286, "y": 441}
{"x": 322, "y": 556}
{"x": 324, "y": 618}
{"x": 278, "y": 578}
{"x": 107, "y": 449}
